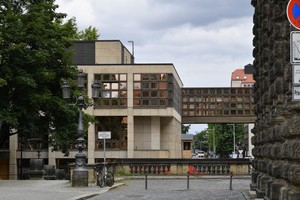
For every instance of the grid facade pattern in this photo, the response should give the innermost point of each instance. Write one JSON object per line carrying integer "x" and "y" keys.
{"x": 156, "y": 90}
{"x": 113, "y": 91}
{"x": 217, "y": 102}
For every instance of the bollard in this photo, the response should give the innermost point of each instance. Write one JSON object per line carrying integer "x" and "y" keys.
{"x": 230, "y": 186}
{"x": 188, "y": 182}
{"x": 146, "y": 181}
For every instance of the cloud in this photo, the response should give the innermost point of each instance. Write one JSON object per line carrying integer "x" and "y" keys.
{"x": 206, "y": 40}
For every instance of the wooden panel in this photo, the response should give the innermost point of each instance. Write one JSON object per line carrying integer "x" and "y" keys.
{"x": 4, "y": 169}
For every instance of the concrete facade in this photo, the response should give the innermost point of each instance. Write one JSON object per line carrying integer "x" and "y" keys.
{"x": 151, "y": 125}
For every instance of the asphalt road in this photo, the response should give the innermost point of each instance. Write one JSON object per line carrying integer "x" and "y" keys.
{"x": 206, "y": 189}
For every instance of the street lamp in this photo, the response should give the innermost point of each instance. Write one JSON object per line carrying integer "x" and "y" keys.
{"x": 80, "y": 172}
{"x": 233, "y": 137}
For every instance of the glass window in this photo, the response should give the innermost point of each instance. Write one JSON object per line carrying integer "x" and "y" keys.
{"x": 146, "y": 94}
{"x": 105, "y": 76}
{"x": 145, "y": 77}
{"x": 137, "y": 85}
{"x": 123, "y": 77}
{"x": 154, "y": 94}
{"x": 137, "y": 77}
{"x": 114, "y": 94}
{"x": 137, "y": 102}
{"x": 114, "y": 86}
{"x": 123, "y": 85}
{"x": 137, "y": 93}
{"x": 186, "y": 145}
{"x": 106, "y": 86}
{"x": 153, "y": 85}
{"x": 154, "y": 77}
{"x": 106, "y": 94}
{"x": 146, "y": 102}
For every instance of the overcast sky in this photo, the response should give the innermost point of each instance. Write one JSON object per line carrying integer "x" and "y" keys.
{"x": 206, "y": 40}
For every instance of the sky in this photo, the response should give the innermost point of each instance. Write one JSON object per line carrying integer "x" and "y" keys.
{"x": 206, "y": 40}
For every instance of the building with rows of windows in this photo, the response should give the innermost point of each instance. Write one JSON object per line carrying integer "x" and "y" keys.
{"x": 139, "y": 103}
{"x": 142, "y": 105}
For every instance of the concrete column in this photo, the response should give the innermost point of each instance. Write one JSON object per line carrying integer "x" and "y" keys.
{"x": 91, "y": 144}
{"x": 51, "y": 156}
{"x": 130, "y": 136}
{"x": 13, "y": 146}
{"x": 155, "y": 133}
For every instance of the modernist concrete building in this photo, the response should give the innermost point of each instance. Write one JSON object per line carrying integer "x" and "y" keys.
{"x": 139, "y": 103}
{"x": 143, "y": 105}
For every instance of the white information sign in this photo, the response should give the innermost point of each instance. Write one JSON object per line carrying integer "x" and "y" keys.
{"x": 296, "y": 93}
{"x": 295, "y": 47}
{"x": 296, "y": 74}
{"x": 104, "y": 135}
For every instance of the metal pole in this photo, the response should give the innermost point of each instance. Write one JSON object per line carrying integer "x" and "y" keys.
{"x": 188, "y": 182}
{"x": 146, "y": 181}
{"x": 230, "y": 186}
{"x": 214, "y": 142}
{"x": 104, "y": 158}
{"x": 234, "y": 138}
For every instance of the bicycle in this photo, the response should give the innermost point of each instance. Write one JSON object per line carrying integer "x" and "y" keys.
{"x": 105, "y": 177}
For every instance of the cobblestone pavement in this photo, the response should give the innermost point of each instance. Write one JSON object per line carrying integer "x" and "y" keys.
{"x": 206, "y": 189}
{"x": 158, "y": 188}
{"x": 46, "y": 190}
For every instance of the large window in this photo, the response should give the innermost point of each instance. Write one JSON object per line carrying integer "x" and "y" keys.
{"x": 156, "y": 90}
{"x": 113, "y": 91}
{"x": 117, "y": 125}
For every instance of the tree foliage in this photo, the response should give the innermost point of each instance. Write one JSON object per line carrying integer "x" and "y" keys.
{"x": 222, "y": 136}
{"x": 90, "y": 33}
{"x": 185, "y": 128}
{"x": 33, "y": 62}
{"x": 201, "y": 140}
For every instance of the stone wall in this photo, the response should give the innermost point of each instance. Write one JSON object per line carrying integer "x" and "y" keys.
{"x": 276, "y": 138}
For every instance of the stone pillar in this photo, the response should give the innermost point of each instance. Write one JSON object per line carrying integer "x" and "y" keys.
{"x": 91, "y": 144}
{"x": 13, "y": 167}
{"x": 155, "y": 133}
{"x": 130, "y": 136}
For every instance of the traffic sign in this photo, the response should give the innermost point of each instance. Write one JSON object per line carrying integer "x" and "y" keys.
{"x": 104, "y": 135}
{"x": 293, "y": 13}
{"x": 295, "y": 47}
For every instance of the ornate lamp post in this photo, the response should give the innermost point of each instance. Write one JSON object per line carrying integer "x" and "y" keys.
{"x": 80, "y": 172}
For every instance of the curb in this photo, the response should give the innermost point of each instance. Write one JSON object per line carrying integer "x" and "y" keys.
{"x": 89, "y": 195}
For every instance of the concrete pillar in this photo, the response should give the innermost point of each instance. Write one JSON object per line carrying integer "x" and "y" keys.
{"x": 91, "y": 144}
{"x": 13, "y": 146}
{"x": 130, "y": 136}
{"x": 155, "y": 133}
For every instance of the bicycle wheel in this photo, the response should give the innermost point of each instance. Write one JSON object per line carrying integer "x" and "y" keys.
{"x": 110, "y": 179}
{"x": 101, "y": 180}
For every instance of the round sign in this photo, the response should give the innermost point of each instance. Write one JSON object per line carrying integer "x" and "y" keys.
{"x": 293, "y": 13}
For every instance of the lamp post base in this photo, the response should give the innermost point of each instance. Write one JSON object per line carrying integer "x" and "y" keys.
{"x": 80, "y": 178}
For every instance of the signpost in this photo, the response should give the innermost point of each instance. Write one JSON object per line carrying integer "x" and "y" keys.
{"x": 104, "y": 135}
{"x": 293, "y": 13}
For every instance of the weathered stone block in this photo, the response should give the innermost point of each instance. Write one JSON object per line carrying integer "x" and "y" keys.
{"x": 294, "y": 174}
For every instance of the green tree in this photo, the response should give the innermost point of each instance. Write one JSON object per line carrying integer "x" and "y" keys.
{"x": 201, "y": 140}
{"x": 33, "y": 62}
{"x": 224, "y": 137}
{"x": 185, "y": 128}
{"x": 90, "y": 33}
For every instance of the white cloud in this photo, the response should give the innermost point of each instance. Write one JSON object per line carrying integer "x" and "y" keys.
{"x": 204, "y": 41}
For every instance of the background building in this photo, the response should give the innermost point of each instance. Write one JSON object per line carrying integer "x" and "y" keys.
{"x": 244, "y": 78}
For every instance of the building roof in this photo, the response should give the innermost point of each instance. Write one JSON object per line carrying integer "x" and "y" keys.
{"x": 187, "y": 137}
{"x": 239, "y": 75}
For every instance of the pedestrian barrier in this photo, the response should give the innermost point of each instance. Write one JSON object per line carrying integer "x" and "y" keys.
{"x": 150, "y": 168}
{"x": 209, "y": 169}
